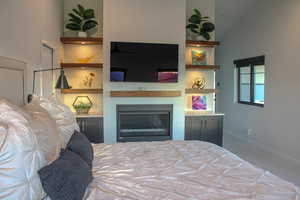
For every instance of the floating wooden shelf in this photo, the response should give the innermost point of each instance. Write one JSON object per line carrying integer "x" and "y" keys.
{"x": 205, "y": 67}
{"x": 200, "y": 91}
{"x": 82, "y": 91}
{"x": 81, "y": 65}
{"x": 145, "y": 93}
{"x": 82, "y": 41}
{"x": 202, "y": 43}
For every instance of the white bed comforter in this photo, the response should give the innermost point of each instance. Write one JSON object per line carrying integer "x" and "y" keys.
{"x": 180, "y": 171}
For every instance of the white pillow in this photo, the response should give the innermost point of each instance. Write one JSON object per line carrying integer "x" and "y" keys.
{"x": 44, "y": 127}
{"x": 65, "y": 119}
{"x": 20, "y": 158}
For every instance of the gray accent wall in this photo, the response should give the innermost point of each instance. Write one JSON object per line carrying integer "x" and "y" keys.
{"x": 270, "y": 28}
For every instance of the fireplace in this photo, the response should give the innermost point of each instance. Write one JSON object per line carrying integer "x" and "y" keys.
{"x": 136, "y": 123}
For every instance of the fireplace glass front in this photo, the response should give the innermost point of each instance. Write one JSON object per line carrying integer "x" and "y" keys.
{"x": 144, "y": 122}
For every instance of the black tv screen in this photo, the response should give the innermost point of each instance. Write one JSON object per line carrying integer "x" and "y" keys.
{"x": 143, "y": 62}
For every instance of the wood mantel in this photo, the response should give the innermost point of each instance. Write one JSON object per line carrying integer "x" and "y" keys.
{"x": 145, "y": 93}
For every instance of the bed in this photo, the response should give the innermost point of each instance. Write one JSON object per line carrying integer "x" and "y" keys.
{"x": 172, "y": 170}
{"x": 180, "y": 170}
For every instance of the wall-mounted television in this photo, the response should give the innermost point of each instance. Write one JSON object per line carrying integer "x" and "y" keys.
{"x": 143, "y": 62}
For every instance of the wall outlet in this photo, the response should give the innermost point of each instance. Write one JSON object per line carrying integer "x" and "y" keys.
{"x": 250, "y": 132}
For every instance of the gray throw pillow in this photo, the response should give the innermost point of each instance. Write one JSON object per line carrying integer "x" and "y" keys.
{"x": 66, "y": 178}
{"x": 81, "y": 145}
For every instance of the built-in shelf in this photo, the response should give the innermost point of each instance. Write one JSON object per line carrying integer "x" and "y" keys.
{"x": 81, "y": 65}
{"x": 200, "y": 91}
{"x": 89, "y": 115}
{"x": 204, "y": 67}
{"x": 202, "y": 43}
{"x": 145, "y": 93}
{"x": 82, "y": 91}
{"x": 82, "y": 41}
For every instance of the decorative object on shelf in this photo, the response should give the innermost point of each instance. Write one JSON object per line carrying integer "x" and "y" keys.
{"x": 199, "y": 103}
{"x": 82, "y": 20}
{"x": 82, "y": 105}
{"x": 84, "y": 60}
{"x": 199, "y": 83}
{"x": 200, "y": 26}
{"x": 88, "y": 80}
{"x": 199, "y": 57}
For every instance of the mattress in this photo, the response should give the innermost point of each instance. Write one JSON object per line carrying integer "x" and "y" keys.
{"x": 180, "y": 170}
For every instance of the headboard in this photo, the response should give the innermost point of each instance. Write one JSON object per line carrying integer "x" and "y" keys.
{"x": 13, "y": 80}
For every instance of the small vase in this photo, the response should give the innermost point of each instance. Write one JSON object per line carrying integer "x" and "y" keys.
{"x": 82, "y": 34}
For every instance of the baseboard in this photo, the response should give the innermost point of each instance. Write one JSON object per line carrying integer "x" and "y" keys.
{"x": 263, "y": 147}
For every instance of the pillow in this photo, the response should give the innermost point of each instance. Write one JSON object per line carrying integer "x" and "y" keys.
{"x": 63, "y": 116}
{"x": 80, "y": 145}
{"x": 44, "y": 127}
{"x": 12, "y": 107}
{"x": 66, "y": 178}
{"x": 20, "y": 157}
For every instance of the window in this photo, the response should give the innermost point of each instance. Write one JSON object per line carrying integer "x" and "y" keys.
{"x": 251, "y": 80}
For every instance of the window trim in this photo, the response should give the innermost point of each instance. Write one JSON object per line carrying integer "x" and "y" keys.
{"x": 248, "y": 62}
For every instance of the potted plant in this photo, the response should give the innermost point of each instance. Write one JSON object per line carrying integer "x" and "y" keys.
{"x": 200, "y": 26}
{"x": 82, "y": 105}
{"x": 82, "y": 20}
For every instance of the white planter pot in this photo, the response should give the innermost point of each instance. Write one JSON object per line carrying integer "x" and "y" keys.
{"x": 82, "y": 34}
{"x": 199, "y": 38}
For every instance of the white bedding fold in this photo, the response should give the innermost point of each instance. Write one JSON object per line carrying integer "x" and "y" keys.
{"x": 180, "y": 171}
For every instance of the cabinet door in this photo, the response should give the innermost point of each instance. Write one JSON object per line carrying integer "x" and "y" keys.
{"x": 80, "y": 124}
{"x": 193, "y": 128}
{"x": 213, "y": 130}
{"x": 92, "y": 128}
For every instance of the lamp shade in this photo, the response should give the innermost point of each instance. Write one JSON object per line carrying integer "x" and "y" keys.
{"x": 62, "y": 82}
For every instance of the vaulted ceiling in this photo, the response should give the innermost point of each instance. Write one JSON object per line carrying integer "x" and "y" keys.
{"x": 228, "y": 13}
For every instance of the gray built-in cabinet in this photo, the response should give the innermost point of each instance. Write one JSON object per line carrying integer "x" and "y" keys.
{"x": 92, "y": 127}
{"x": 204, "y": 128}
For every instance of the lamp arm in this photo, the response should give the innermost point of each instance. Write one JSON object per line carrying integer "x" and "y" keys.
{"x": 41, "y": 70}
{"x": 46, "y": 70}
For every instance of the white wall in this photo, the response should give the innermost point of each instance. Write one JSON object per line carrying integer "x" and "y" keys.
{"x": 143, "y": 21}
{"x": 24, "y": 24}
{"x": 273, "y": 30}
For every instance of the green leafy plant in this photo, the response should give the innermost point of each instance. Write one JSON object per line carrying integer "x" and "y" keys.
{"x": 200, "y": 25}
{"x": 81, "y": 19}
{"x": 82, "y": 106}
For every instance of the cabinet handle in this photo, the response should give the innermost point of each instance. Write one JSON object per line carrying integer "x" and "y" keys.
{"x": 80, "y": 126}
{"x": 83, "y": 126}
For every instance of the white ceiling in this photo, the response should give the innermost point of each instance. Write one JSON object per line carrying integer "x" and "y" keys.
{"x": 228, "y": 12}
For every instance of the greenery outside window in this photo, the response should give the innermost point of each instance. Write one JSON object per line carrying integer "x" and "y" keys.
{"x": 251, "y": 81}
